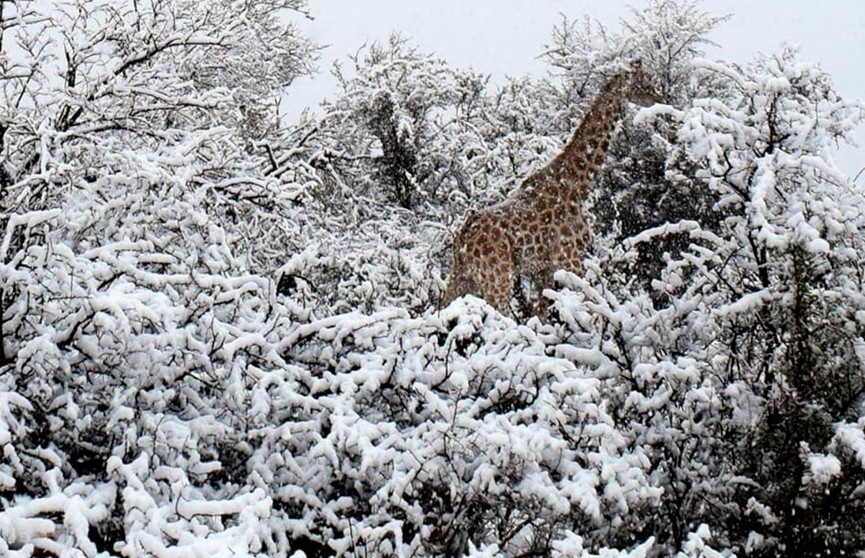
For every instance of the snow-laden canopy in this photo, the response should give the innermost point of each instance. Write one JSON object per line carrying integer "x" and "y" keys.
{"x": 220, "y": 333}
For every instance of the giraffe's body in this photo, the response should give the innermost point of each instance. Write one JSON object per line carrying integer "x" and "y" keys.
{"x": 542, "y": 227}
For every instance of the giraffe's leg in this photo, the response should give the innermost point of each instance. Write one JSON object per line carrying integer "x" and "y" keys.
{"x": 542, "y": 279}
{"x": 496, "y": 282}
{"x": 457, "y": 284}
{"x": 567, "y": 255}
{"x": 463, "y": 279}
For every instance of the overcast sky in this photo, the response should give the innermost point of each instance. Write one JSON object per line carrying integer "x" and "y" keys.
{"x": 504, "y": 37}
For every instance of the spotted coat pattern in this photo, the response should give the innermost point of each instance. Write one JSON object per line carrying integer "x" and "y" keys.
{"x": 542, "y": 228}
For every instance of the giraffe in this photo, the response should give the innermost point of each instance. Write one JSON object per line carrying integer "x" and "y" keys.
{"x": 541, "y": 228}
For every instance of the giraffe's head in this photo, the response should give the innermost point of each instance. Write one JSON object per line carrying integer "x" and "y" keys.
{"x": 638, "y": 88}
{"x": 633, "y": 86}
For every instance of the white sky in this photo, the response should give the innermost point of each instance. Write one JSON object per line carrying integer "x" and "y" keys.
{"x": 504, "y": 37}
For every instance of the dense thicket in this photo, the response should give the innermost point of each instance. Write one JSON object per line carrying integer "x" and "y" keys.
{"x": 220, "y": 333}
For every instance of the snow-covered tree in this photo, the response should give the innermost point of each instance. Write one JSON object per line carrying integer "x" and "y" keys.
{"x": 745, "y": 386}
{"x": 125, "y": 139}
{"x": 203, "y": 354}
{"x": 787, "y": 269}
{"x": 400, "y": 125}
{"x": 99, "y": 91}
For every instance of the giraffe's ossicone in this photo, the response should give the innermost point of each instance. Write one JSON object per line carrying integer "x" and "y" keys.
{"x": 542, "y": 228}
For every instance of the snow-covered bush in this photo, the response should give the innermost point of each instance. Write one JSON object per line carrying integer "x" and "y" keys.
{"x": 787, "y": 269}
{"x": 203, "y": 354}
{"x": 743, "y": 384}
{"x": 399, "y": 129}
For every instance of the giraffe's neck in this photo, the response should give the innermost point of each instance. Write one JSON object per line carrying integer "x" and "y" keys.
{"x": 578, "y": 163}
